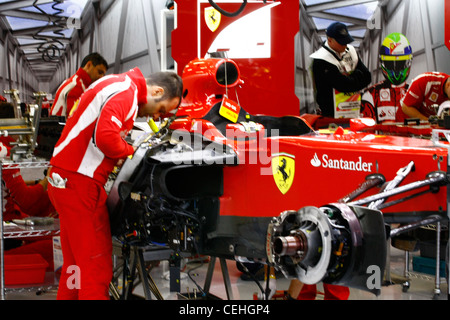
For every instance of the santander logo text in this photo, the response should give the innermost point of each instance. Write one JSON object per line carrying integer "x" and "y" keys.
{"x": 341, "y": 164}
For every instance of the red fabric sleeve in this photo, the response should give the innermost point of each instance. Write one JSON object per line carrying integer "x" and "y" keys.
{"x": 32, "y": 200}
{"x": 112, "y": 127}
{"x": 414, "y": 95}
{"x": 72, "y": 97}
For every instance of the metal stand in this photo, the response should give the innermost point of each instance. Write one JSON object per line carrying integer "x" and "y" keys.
{"x": 134, "y": 271}
{"x": 437, "y": 281}
{"x": 225, "y": 275}
{"x": 435, "y": 137}
{"x": 147, "y": 281}
{"x": 406, "y": 284}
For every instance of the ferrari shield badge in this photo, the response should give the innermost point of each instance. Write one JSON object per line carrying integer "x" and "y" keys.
{"x": 283, "y": 169}
{"x": 212, "y": 18}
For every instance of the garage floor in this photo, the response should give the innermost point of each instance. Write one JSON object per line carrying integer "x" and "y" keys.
{"x": 422, "y": 286}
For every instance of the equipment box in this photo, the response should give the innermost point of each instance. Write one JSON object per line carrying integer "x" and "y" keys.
{"x": 428, "y": 249}
{"x": 24, "y": 269}
{"x": 428, "y": 266}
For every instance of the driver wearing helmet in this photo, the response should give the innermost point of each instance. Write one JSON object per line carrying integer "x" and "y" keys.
{"x": 382, "y": 100}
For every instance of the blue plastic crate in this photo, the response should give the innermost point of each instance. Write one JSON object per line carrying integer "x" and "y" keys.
{"x": 428, "y": 266}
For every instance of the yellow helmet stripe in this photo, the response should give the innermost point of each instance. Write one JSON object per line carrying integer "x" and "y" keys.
{"x": 396, "y": 58}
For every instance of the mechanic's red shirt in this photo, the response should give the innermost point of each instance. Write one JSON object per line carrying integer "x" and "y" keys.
{"x": 19, "y": 199}
{"x": 69, "y": 92}
{"x": 93, "y": 139}
{"x": 426, "y": 90}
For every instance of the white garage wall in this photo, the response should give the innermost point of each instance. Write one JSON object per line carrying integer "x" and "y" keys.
{"x": 126, "y": 35}
{"x": 422, "y": 22}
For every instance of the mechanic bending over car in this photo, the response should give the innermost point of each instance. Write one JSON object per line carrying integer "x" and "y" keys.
{"x": 426, "y": 90}
{"x": 91, "y": 144}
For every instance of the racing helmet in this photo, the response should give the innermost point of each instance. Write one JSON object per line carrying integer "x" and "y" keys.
{"x": 396, "y": 58}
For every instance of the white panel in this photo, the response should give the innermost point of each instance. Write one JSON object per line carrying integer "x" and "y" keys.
{"x": 302, "y": 53}
{"x": 304, "y": 91}
{"x": 395, "y": 20}
{"x": 419, "y": 65}
{"x": 442, "y": 56}
{"x": 436, "y": 10}
{"x": 414, "y": 29}
{"x": 254, "y": 39}
{"x": 108, "y": 32}
{"x": 141, "y": 63}
{"x": 84, "y": 50}
{"x": 299, "y": 51}
{"x": 157, "y": 5}
{"x": 12, "y": 66}
{"x": 135, "y": 39}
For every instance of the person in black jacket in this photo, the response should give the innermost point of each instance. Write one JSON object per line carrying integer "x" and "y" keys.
{"x": 339, "y": 75}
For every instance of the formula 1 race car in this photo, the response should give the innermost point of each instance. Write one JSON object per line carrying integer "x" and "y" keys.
{"x": 217, "y": 181}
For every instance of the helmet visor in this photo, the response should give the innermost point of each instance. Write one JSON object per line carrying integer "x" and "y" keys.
{"x": 396, "y": 63}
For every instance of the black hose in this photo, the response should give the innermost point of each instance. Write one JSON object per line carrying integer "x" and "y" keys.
{"x": 50, "y": 48}
{"x": 226, "y": 13}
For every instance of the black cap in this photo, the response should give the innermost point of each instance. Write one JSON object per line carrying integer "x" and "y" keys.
{"x": 339, "y": 32}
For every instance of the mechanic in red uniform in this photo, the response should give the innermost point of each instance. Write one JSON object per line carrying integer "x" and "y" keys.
{"x": 93, "y": 67}
{"x": 382, "y": 100}
{"x": 25, "y": 200}
{"x": 22, "y": 200}
{"x": 426, "y": 90}
{"x": 91, "y": 144}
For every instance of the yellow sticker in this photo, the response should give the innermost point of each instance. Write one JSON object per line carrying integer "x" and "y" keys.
{"x": 283, "y": 169}
{"x": 212, "y": 18}
{"x": 230, "y": 110}
{"x": 74, "y": 108}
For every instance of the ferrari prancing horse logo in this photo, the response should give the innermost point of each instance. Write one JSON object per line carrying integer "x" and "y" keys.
{"x": 212, "y": 18}
{"x": 283, "y": 169}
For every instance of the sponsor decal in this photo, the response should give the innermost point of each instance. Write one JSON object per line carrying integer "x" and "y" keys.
{"x": 434, "y": 96}
{"x": 326, "y": 162}
{"x": 392, "y": 47}
{"x": 385, "y": 95}
{"x": 229, "y": 110}
{"x": 283, "y": 170}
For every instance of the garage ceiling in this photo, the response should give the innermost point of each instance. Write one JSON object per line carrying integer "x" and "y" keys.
{"x": 41, "y": 30}
{"x": 356, "y": 14}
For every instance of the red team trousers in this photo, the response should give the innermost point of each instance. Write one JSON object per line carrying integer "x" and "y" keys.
{"x": 85, "y": 237}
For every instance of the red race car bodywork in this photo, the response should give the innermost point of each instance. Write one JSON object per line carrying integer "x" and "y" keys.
{"x": 323, "y": 166}
{"x": 216, "y": 180}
